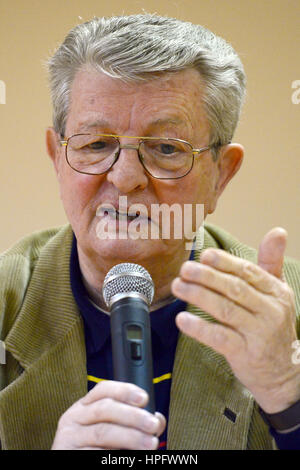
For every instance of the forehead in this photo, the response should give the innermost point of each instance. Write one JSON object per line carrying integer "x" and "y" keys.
{"x": 171, "y": 100}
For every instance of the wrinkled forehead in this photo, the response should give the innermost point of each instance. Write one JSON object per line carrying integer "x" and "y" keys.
{"x": 169, "y": 100}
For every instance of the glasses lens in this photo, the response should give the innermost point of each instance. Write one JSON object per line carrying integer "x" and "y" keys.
{"x": 167, "y": 158}
{"x": 91, "y": 154}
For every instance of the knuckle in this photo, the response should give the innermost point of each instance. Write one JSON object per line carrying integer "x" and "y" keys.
{"x": 100, "y": 411}
{"x": 227, "y": 310}
{"x": 251, "y": 272}
{"x": 237, "y": 290}
{"x": 101, "y": 434}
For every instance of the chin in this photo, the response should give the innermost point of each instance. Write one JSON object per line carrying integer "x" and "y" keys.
{"x": 133, "y": 251}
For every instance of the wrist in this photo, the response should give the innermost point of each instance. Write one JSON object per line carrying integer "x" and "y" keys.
{"x": 286, "y": 420}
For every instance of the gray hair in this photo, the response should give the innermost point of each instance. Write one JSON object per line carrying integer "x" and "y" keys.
{"x": 142, "y": 47}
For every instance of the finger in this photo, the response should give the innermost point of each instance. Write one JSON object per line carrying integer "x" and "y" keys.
{"x": 162, "y": 423}
{"x": 112, "y": 436}
{"x": 120, "y": 391}
{"x": 111, "y": 411}
{"x": 221, "y": 308}
{"x": 271, "y": 251}
{"x": 250, "y": 272}
{"x": 219, "y": 337}
{"x": 230, "y": 286}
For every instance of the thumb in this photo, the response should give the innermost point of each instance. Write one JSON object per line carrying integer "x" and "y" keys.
{"x": 271, "y": 251}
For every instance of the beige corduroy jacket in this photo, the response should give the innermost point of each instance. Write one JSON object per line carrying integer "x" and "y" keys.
{"x": 45, "y": 362}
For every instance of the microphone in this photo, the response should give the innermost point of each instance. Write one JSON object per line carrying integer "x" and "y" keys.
{"x": 128, "y": 292}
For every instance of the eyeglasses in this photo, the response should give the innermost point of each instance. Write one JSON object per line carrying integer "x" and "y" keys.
{"x": 162, "y": 158}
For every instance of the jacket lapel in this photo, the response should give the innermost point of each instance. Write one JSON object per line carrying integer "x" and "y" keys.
{"x": 209, "y": 407}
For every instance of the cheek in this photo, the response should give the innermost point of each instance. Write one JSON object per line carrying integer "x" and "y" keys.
{"x": 204, "y": 181}
{"x": 195, "y": 188}
{"x": 78, "y": 192}
{"x": 198, "y": 188}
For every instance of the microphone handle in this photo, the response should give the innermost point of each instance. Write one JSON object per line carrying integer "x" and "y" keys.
{"x": 131, "y": 344}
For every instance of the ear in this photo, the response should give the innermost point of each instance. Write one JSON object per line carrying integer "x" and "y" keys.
{"x": 229, "y": 162}
{"x": 53, "y": 148}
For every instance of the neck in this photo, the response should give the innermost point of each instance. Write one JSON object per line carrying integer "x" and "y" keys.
{"x": 162, "y": 271}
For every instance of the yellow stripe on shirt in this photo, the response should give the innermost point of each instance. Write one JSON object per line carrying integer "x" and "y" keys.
{"x": 162, "y": 377}
{"x": 156, "y": 380}
{"x": 91, "y": 378}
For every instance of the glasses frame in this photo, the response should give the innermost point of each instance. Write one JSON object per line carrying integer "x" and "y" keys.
{"x": 141, "y": 140}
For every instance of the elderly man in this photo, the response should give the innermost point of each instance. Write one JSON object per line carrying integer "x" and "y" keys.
{"x": 145, "y": 108}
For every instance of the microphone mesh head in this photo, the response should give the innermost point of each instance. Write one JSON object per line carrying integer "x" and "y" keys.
{"x": 127, "y": 277}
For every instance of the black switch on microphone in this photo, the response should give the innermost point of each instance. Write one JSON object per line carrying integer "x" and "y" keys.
{"x": 136, "y": 351}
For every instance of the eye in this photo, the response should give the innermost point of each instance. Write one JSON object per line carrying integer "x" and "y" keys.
{"x": 98, "y": 145}
{"x": 167, "y": 149}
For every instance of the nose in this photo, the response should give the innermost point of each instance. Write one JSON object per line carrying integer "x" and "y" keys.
{"x": 128, "y": 174}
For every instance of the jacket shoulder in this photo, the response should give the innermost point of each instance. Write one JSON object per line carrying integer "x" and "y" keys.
{"x": 30, "y": 246}
{"x": 229, "y": 243}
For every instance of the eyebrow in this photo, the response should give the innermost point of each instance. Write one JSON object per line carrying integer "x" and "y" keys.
{"x": 164, "y": 122}
{"x": 90, "y": 125}
{"x": 103, "y": 124}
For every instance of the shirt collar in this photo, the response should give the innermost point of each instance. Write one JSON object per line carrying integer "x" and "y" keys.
{"x": 95, "y": 320}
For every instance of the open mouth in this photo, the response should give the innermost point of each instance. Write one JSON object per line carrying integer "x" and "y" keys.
{"x": 131, "y": 216}
{"x": 111, "y": 212}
